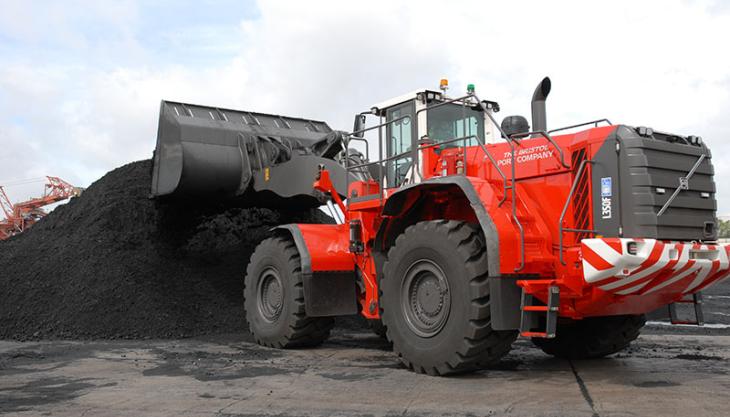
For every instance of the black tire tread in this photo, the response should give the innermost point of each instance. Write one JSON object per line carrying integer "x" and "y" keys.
{"x": 302, "y": 330}
{"x": 481, "y": 346}
{"x": 592, "y": 337}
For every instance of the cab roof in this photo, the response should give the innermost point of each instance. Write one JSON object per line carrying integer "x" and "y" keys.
{"x": 403, "y": 98}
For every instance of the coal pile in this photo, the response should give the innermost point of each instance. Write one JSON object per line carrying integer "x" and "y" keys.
{"x": 114, "y": 264}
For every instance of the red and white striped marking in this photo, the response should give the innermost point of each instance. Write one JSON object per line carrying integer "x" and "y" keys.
{"x": 687, "y": 267}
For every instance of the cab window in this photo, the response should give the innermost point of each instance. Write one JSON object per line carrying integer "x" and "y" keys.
{"x": 455, "y": 121}
{"x": 400, "y": 140}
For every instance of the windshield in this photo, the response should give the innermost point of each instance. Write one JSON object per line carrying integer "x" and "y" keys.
{"x": 455, "y": 121}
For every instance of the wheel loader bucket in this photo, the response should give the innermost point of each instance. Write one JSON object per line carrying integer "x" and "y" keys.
{"x": 260, "y": 159}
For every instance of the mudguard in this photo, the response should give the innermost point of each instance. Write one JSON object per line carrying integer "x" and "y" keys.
{"x": 395, "y": 204}
{"x": 506, "y": 295}
{"x": 328, "y": 268}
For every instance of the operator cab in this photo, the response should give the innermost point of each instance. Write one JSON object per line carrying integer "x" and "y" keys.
{"x": 429, "y": 117}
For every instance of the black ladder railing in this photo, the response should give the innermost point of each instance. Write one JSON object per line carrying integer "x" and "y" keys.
{"x": 592, "y": 122}
{"x": 529, "y": 318}
{"x": 513, "y": 184}
{"x": 696, "y": 301}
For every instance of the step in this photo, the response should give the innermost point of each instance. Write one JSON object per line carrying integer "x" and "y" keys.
{"x": 696, "y": 300}
{"x": 528, "y": 321}
{"x": 539, "y": 308}
{"x": 542, "y": 335}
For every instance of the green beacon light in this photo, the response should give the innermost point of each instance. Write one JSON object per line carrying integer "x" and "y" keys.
{"x": 470, "y": 88}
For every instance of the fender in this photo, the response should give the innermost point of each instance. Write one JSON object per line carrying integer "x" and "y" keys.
{"x": 328, "y": 268}
{"x": 396, "y": 205}
{"x": 506, "y": 295}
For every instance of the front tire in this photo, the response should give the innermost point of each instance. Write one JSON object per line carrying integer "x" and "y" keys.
{"x": 592, "y": 337}
{"x": 274, "y": 298}
{"x": 376, "y": 326}
{"x": 434, "y": 297}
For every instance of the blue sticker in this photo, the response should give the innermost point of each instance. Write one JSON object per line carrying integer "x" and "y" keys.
{"x": 606, "y": 187}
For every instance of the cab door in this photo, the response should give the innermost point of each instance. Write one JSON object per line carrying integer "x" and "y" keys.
{"x": 400, "y": 141}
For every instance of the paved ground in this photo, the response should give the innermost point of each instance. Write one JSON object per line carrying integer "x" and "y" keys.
{"x": 354, "y": 374}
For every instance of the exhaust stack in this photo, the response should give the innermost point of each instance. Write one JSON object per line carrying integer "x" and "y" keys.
{"x": 539, "y": 120}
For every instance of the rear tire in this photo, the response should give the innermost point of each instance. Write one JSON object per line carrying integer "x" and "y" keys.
{"x": 434, "y": 297}
{"x": 592, "y": 337}
{"x": 274, "y": 298}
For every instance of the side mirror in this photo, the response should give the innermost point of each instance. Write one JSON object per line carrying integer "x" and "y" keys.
{"x": 359, "y": 123}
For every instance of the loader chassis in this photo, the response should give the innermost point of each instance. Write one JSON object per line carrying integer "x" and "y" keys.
{"x": 463, "y": 235}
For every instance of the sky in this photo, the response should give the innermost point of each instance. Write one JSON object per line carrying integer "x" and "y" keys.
{"x": 81, "y": 81}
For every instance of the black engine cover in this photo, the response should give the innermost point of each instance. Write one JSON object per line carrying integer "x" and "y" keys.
{"x": 631, "y": 182}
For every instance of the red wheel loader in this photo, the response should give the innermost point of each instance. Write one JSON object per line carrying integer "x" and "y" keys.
{"x": 455, "y": 233}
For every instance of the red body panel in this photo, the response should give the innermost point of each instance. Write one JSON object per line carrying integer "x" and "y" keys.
{"x": 328, "y": 247}
{"x": 542, "y": 188}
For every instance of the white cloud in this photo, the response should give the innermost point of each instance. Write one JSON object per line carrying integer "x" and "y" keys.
{"x": 651, "y": 63}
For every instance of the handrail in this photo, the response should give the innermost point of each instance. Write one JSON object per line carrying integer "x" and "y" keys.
{"x": 421, "y": 147}
{"x": 549, "y": 138}
{"x": 481, "y": 142}
{"x": 513, "y": 190}
{"x": 352, "y": 136}
{"x": 496, "y": 165}
{"x": 359, "y": 139}
{"x": 464, "y": 102}
{"x": 510, "y": 141}
{"x": 388, "y": 159}
{"x": 367, "y": 129}
{"x": 512, "y": 186}
{"x": 483, "y": 147}
{"x": 594, "y": 122}
{"x": 562, "y": 229}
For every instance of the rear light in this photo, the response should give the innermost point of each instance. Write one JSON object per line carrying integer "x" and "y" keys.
{"x": 632, "y": 248}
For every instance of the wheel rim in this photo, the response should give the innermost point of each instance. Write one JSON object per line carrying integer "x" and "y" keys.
{"x": 269, "y": 295}
{"x": 425, "y": 298}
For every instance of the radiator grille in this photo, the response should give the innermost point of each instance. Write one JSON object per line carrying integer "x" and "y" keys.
{"x": 581, "y": 198}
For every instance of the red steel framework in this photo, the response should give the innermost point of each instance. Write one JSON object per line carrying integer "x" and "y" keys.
{"x": 20, "y": 216}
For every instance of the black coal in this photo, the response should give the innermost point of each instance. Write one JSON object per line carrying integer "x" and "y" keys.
{"x": 114, "y": 264}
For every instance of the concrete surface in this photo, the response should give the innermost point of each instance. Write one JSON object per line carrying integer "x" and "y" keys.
{"x": 354, "y": 374}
